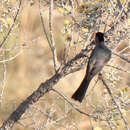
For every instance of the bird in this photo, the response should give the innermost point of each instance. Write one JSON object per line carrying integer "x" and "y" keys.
{"x": 98, "y": 59}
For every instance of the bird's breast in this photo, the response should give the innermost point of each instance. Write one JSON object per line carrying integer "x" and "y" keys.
{"x": 103, "y": 55}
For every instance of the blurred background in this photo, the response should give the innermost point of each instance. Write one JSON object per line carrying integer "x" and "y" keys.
{"x": 32, "y": 63}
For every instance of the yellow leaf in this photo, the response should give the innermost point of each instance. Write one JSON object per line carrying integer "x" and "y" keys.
{"x": 125, "y": 90}
{"x": 97, "y": 128}
{"x": 119, "y": 122}
{"x": 123, "y": 112}
{"x": 68, "y": 38}
{"x": 105, "y": 91}
{"x": 68, "y": 8}
{"x": 60, "y": 10}
{"x": 85, "y": 30}
{"x": 66, "y": 22}
{"x": 9, "y": 21}
{"x": 107, "y": 4}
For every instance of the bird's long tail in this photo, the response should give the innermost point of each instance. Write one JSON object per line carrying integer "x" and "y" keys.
{"x": 81, "y": 91}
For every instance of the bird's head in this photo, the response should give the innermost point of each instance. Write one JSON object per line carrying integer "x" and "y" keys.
{"x": 99, "y": 37}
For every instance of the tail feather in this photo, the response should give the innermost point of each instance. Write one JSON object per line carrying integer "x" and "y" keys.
{"x": 81, "y": 91}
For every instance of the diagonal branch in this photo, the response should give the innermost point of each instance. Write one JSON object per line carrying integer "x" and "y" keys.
{"x": 43, "y": 89}
{"x": 122, "y": 57}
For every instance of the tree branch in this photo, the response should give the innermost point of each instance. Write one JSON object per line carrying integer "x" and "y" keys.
{"x": 44, "y": 88}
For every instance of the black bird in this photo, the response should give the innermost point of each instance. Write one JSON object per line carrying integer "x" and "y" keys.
{"x": 99, "y": 57}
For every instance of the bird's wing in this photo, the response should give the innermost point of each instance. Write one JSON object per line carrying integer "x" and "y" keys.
{"x": 91, "y": 66}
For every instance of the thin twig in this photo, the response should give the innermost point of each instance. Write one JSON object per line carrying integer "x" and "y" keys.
{"x": 52, "y": 45}
{"x": 74, "y": 106}
{"x": 104, "y": 30}
{"x": 11, "y": 58}
{"x": 88, "y": 38}
{"x": 119, "y": 4}
{"x": 122, "y": 9}
{"x": 116, "y": 22}
{"x": 114, "y": 100}
{"x": 125, "y": 48}
{"x": 43, "y": 25}
{"x": 112, "y": 4}
{"x": 115, "y": 67}
{"x": 3, "y": 82}
{"x": 11, "y": 28}
{"x": 122, "y": 57}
